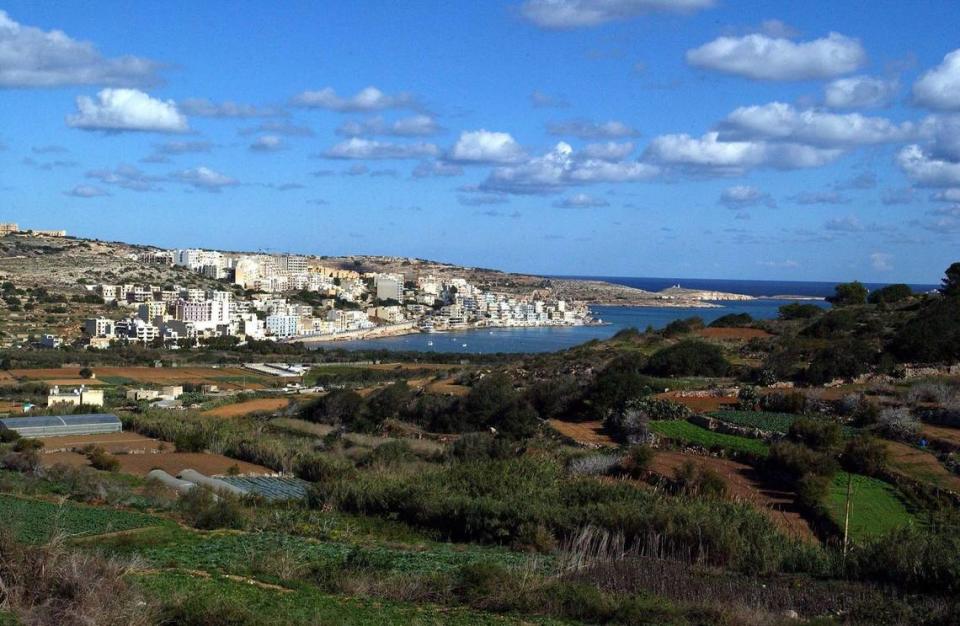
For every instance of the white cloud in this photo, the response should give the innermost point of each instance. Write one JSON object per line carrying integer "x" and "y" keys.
{"x": 939, "y": 88}
{"x": 581, "y": 201}
{"x": 742, "y": 196}
{"x": 845, "y": 225}
{"x": 183, "y": 147}
{"x": 278, "y": 127}
{"x": 357, "y": 148}
{"x": 31, "y": 57}
{"x": 267, "y": 143}
{"x": 202, "y": 107}
{"x": 881, "y": 261}
{"x": 762, "y": 57}
{"x": 860, "y": 92}
{"x": 119, "y": 110}
{"x": 707, "y": 154}
{"x": 608, "y": 151}
{"x": 778, "y": 121}
{"x": 483, "y": 146}
{"x": 585, "y": 129}
{"x": 778, "y": 29}
{"x": 561, "y": 168}
{"x": 204, "y": 178}
{"x": 86, "y": 191}
{"x": 560, "y": 14}
{"x": 367, "y": 99}
{"x": 126, "y": 177}
{"x": 417, "y": 125}
{"x": 927, "y": 170}
{"x": 947, "y": 195}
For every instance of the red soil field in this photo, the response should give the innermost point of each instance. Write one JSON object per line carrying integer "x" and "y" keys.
{"x": 248, "y": 407}
{"x": 586, "y": 433}
{"x": 739, "y": 334}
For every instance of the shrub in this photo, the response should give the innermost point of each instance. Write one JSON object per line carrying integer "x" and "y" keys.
{"x": 798, "y": 311}
{"x": 191, "y": 441}
{"x": 794, "y": 402}
{"x": 620, "y": 382}
{"x": 849, "y": 294}
{"x": 732, "y": 320}
{"x": 101, "y": 460}
{"x": 8, "y": 435}
{"x": 793, "y": 461}
{"x": 86, "y": 372}
{"x": 206, "y": 511}
{"x": 932, "y": 335}
{"x": 321, "y": 468}
{"x": 890, "y": 294}
{"x": 865, "y": 455}
{"x": 841, "y": 359}
{"x": 698, "y": 481}
{"x": 818, "y": 434}
{"x": 594, "y": 464}
{"x": 636, "y": 461}
{"x": 682, "y": 327}
{"x": 689, "y": 358}
{"x": 898, "y": 423}
{"x": 390, "y": 453}
{"x": 479, "y": 447}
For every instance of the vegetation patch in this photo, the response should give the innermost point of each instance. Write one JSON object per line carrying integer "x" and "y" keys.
{"x": 875, "y": 506}
{"x": 685, "y": 432}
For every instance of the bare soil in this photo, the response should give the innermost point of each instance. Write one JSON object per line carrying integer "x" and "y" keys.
{"x": 738, "y": 334}
{"x": 259, "y": 405}
{"x": 590, "y": 434}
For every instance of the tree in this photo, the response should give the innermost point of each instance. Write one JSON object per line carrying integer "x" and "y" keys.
{"x": 689, "y": 358}
{"x": 849, "y": 294}
{"x": 890, "y": 294}
{"x": 950, "y": 286}
{"x": 798, "y": 311}
{"x": 86, "y": 372}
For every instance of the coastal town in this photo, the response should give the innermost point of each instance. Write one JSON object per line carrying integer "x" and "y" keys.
{"x": 296, "y": 298}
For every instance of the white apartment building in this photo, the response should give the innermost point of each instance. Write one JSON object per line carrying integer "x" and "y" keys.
{"x": 99, "y": 327}
{"x": 389, "y": 287}
{"x": 196, "y": 259}
{"x": 147, "y": 311}
{"x": 283, "y": 325}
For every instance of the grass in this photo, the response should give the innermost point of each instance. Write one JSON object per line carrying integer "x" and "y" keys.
{"x": 118, "y": 380}
{"x": 875, "y": 506}
{"x": 242, "y": 553}
{"x": 239, "y": 602}
{"x": 35, "y": 521}
{"x": 685, "y": 432}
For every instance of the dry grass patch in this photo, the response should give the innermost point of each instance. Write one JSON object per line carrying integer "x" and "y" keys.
{"x": 260, "y": 405}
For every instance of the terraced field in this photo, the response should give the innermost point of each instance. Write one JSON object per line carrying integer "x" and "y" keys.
{"x": 875, "y": 506}
{"x": 921, "y": 465}
{"x": 773, "y": 422}
{"x": 685, "y": 432}
{"x": 238, "y": 409}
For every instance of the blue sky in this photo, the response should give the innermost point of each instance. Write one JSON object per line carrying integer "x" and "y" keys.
{"x": 700, "y": 138}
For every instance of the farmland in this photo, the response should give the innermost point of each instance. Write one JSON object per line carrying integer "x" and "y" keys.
{"x": 773, "y": 422}
{"x": 686, "y": 433}
{"x": 921, "y": 465}
{"x": 587, "y": 433}
{"x": 875, "y": 506}
{"x": 259, "y": 405}
{"x": 227, "y": 377}
{"x": 36, "y": 521}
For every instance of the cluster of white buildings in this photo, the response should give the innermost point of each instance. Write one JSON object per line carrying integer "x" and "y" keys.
{"x": 344, "y": 302}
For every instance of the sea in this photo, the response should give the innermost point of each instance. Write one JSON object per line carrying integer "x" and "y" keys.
{"x": 770, "y": 296}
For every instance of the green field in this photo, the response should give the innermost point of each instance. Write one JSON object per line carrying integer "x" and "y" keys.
{"x": 228, "y": 601}
{"x": 773, "y": 422}
{"x": 685, "y": 432}
{"x": 875, "y": 506}
{"x": 35, "y": 521}
{"x": 243, "y": 553}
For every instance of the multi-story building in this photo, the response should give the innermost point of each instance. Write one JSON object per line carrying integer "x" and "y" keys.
{"x": 76, "y": 397}
{"x": 148, "y": 311}
{"x": 283, "y": 325}
{"x": 389, "y": 287}
{"x": 99, "y": 327}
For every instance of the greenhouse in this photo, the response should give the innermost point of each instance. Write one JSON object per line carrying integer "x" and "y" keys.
{"x": 61, "y": 425}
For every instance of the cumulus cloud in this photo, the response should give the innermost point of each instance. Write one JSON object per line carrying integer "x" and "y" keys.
{"x": 181, "y": 147}
{"x": 866, "y": 180}
{"x": 891, "y": 196}
{"x": 86, "y": 191}
{"x": 740, "y": 197}
{"x": 762, "y": 57}
{"x": 356, "y": 170}
{"x": 586, "y": 129}
{"x": 709, "y": 155}
{"x": 926, "y": 169}
{"x": 267, "y": 143}
{"x": 415, "y": 126}
{"x": 120, "y": 110}
{"x": 564, "y": 14}
{"x": 608, "y": 151}
{"x": 202, "y": 107}
{"x": 581, "y": 201}
{"x": 366, "y": 100}
{"x": 47, "y": 165}
{"x": 426, "y": 169}
{"x": 357, "y": 148}
{"x": 860, "y": 92}
{"x": 471, "y": 195}
{"x": 939, "y": 88}
{"x": 483, "y": 146}
{"x": 31, "y": 57}
{"x": 278, "y": 127}
{"x": 778, "y": 121}
{"x": 204, "y": 178}
{"x": 126, "y": 177}
{"x": 947, "y": 195}
{"x": 561, "y": 168}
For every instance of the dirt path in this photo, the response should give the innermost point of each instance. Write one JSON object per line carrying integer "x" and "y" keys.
{"x": 744, "y": 485}
{"x": 590, "y": 434}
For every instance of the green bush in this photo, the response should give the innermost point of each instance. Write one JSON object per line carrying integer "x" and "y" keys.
{"x": 890, "y": 294}
{"x": 798, "y": 311}
{"x": 849, "y": 294}
{"x": 817, "y": 434}
{"x": 206, "y": 511}
{"x": 732, "y": 320}
{"x": 391, "y": 453}
{"x": 865, "y": 455}
{"x": 689, "y": 358}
